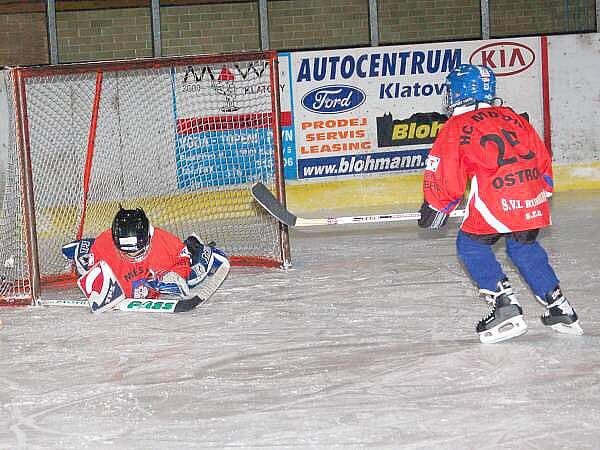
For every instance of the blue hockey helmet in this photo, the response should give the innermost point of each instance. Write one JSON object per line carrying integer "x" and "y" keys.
{"x": 469, "y": 84}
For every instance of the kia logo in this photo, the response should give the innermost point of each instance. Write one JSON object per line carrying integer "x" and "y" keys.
{"x": 504, "y": 58}
{"x": 333, "y": 99}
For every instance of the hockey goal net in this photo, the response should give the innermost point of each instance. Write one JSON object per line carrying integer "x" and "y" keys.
{"x": 184, "y": 138}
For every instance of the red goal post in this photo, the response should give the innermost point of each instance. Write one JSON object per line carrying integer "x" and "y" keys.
{"x": 185, "y": 138}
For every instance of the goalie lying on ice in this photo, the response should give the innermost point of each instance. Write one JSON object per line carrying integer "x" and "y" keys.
{"x": 145, "y": 262}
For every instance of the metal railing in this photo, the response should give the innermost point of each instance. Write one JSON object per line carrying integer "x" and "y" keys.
{"x": 578, "y": 16}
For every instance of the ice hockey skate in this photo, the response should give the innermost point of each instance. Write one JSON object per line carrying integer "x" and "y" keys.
{"x": 560, "y": 315}
{"x": 505, "y": 319}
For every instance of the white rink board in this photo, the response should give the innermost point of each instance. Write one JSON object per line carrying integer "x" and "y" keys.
{"x": 575, "y": 97}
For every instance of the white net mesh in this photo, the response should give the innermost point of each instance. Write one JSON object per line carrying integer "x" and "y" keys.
{"x": 14, "y": 270}
{"x": 185, "y": 142}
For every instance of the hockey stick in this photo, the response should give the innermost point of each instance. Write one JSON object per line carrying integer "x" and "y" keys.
{"x": 168, "y": 306}
{"x": 268, "y": 201}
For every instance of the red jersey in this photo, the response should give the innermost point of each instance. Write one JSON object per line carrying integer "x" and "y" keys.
{"x": 166, "y": 253}
{"x": 507, "y": 164}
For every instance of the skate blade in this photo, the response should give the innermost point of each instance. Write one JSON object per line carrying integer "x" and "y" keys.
{"x": 513, "y": 327}
{"x": 573, "y": 329}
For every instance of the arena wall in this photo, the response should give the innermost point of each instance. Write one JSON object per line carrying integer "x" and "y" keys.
{"x": 574, "y": 65}
{"x": 562, "y": 103}
{"x": 558, "y": 89}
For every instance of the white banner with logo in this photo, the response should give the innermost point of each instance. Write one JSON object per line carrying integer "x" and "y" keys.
{"x": 377, "y": 110}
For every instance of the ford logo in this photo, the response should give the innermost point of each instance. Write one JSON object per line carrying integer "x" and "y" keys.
{"x": 333, "y": 99}
{"x": 504, "y": 58}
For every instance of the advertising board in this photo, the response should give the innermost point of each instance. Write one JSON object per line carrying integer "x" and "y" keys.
{"x": 376, "y": 111}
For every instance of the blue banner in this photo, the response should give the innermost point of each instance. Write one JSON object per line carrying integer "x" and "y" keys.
{"x": 219, "y": 158}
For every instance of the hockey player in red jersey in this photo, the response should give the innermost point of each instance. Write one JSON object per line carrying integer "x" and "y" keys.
{"x": 148, "y": 261}
{"x": 510, "y": 175}
{"x": 140, "y": 254}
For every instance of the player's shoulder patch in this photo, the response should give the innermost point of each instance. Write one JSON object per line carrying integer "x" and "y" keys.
{"x": 432, "y": 163}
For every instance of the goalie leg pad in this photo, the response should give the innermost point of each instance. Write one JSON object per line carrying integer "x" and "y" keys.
{"x": 204, "y": 262}
{"x": 213, "y": 279}
{"x": 210, "y": 267}
{"x": 101, "y": 288}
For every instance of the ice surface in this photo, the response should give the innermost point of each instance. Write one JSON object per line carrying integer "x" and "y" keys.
{"x": 368, "y": 341}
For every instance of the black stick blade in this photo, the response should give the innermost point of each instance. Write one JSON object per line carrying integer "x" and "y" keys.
{"x": 268, "y": 201}
{"x": 188, "y": 304}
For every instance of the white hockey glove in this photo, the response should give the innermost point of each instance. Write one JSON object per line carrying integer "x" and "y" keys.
{"x": 168, "y": 283}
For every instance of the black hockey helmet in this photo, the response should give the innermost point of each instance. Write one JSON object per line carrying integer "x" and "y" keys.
{"x": 131, "y": 230}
